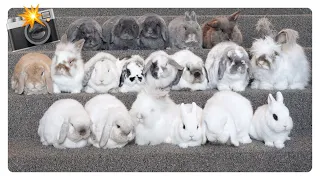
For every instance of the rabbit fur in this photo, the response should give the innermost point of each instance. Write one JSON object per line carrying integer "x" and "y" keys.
{"x": 65, "y": 124}
{"x": 228, "y": 66}
{"x": 221, "y": 29}
{"x": 272, "y": 123}
{"x": 112, "y": 125}
{"x": 32, "y": 75}
{"x": 227, "y": 115}
{"x": 185, "y": 32}
{"x": 67, "y": 68}
{"x": 87, "y": 29}
{"x": 101, "y": 73}
{"x": 153, "y": 32}
{"x": 194, "y": 76}
{"x": 161, "y": 70}
{"x": 121, "y": 33}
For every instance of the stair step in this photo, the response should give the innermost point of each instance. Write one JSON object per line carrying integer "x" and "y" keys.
{"x": 31, "y": 155}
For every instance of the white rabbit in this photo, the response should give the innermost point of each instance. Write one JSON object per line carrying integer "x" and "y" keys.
{"x": 227, "y": 115}
{"x": 153, "y": 113}
{"x": 161, "y": 70}
{"x": 101, "y": 73}
{"x": 194, "y": 74}
{"x": 132, "y": 79}
{"x": 188, "y": 130}
{"x": 65, "y": 124}
{"x": 272, "y": 123}
{"x": 67, "y": 69}
{"x": 228, "y": 67}
{"x": 112, "y": 126}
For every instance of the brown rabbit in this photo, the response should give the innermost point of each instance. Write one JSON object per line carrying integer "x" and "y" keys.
{"x": 32, "y": 75}
{"x": 221, "y": 29}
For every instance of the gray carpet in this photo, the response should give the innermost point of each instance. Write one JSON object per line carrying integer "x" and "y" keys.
{"x": 27, "y": 154}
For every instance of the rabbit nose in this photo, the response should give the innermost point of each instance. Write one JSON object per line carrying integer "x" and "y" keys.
{"x": 140, "y": 78}
{"x": 197, "y": 74}
{"x": 132, "y": 79}
{"x": 191, "y": 136}
{"x": 149, "y": 30}
{"x": 82, "y": 132}
{"x": 101, "y": 81}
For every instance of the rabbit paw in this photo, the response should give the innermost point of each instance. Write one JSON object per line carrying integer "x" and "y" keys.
{"x": 56, "y": 89}
{"x": 222, "y": 87}
{"x": 269, "y": 144}
{"x": 266, "y": 86}
{"x": 255, "y": 85}
{"x": 245, "y": 140}
{"x": 288, "y": 138}
{"x": 183, "y": 145}
{"x": 281, "y": 85}
{"x": 89, "y": 90}
{"x": 279, "y": 145}
{"x": 75, "y": 91}
{"x": 58, "y": 146}
{"x": 297, "y": 86}
{"x": 238, "y": 87}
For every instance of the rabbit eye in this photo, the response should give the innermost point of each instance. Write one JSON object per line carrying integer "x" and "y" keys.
{"x": 188, "y": 68}
{"x": 275, "y": 117}
{"x": 276, "y": 53}
{"x": 197, "y": 126}
{"x": 118, "y": 126}
{"x": 185, "y": 28}
{"x": 184, "y": 127}
{"x": 42, "y": 73}
{"x": 108, "y": 70}
{"x": 71, "y": 61}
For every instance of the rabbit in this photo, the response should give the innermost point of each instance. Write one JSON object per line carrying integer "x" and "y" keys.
{"x": 132, "y": 79}
{"x": 153, "y": 32}
{"x": 32, "y": 75}
{"x": 221, "y": 29}
{"x": 112, "y": 125}
{"x": 227, "y": 115}
{"x": 101, "y": 74}
{"x": 87, "y": 29}
{"x": 65, "y": 124}
{"x": 161, "y": 71}
{"x": 278, "y": 62}
{"x": 185, "y": 32}
{"x": 272, "y": 123}
{"x": 153, "y": 113}
{"x": 67, "y": 68}
{"x": 188, "y": 130}
{"x": 194, "y": 76}
{"x": 121, "y": 33}
{"x": 229, "y": 67}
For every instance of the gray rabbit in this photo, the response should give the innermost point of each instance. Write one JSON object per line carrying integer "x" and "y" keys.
{"x": 121, "y": 33}
{"x": 87, "y": 29}
{"x": 153, "y": 32}
{"x": 185, "y": 32}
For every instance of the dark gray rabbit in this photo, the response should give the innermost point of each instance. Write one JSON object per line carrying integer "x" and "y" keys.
{"x": 153, "y": 32}
{"x": 87, "y": 29}
{"x": 185, "y": 32}
{"x": 121, "y": 33}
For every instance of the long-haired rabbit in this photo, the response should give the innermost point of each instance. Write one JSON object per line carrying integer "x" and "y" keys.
{"x": 121, "y": 33}
{"x": 67, "y": 68}
{"x": 153, "y": 32}
{"x": 132, "y": 79}
{"x": 101, "y": 73}
{"x": 32, "y": 75}
{"x": 161, "y": 70}
{"x": 188, "y": 130}
{"x": 221, "y": 29}
{"x": 194, "y": 76}
{"x": 153, "y": 113}
{"x": 272, "y": 123}
{"x": 65, "y": 124}
{"x": 185, "y": 32}
{"x": 227, "y": 115}
{"x": 278, "y": 61}
{"x": 228, "y": 66}
{"x": 112, "y": 125}
{"x": 87, "y": 29}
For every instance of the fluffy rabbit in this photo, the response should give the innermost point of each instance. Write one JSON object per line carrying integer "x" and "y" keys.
{"x": 87, "y": 29}
{"x": 278, "y": 61}
{"x": 65, "y": 124}
{"x": 132, "y": 79}
{"x": 153, "y": 32}
{"x": 112, "y": 125}
{"x": 153, "y": 113}
{"x": 185, "y": 32}
{"x": 194, "y": 74}
{"x": 221, "y": 29}
{"x": 227, "y": 115}
{"x": 188, "y": 130}
{"x": 161, "y": 70}
{"x": 101, "y": 73}
{"x": 272, "y": 123}
{"x": 229, "y": 67}
{"x": 32, "y": 75}
{"x": 121, "y": 33}
{"x": 67, "y": 68}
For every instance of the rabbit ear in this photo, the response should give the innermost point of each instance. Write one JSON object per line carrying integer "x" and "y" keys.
{"x": 79, "y": 44}
{"x": 214, "y": 23}
{"x": 206, "y": 72}
{"x": 105, "y": 134}
{"x": 63, "y": 132}
{"x": 193, "y": 16}
{"x": 64, "y": 38}
{"x": 164, "y": 31}
{"x": 183, "y": 110}
{"x": 123, "y": 74}
{"x": 175, "y": 64}
{"x": 234, "y": 16}
{"x": 279, "y": 97}
{"x": 194, "y": 108}
{"x": 74, "y": 34}
{"x": 289, "y": 36}
{"x": 187, "y": 16}
{"x": 281, "y": 38}
{"x": 270, "y": 99}
{"x": 87, "y": 75}
{"x": 49, "y": 83}
{"x": 22, "y": 79}
{"x": 147, "y": 67}
{"x": 222, "y": 68}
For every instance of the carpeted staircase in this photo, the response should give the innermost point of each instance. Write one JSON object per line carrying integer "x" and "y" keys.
{"x": 26, "y": 153}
